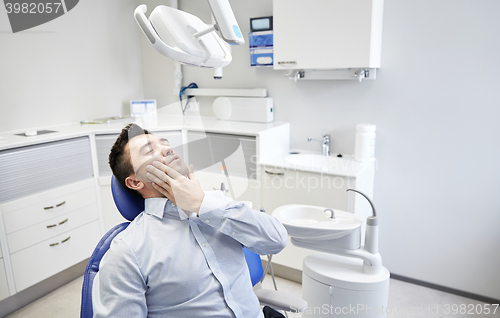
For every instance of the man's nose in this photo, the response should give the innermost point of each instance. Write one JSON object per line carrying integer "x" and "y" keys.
{"x": 163, "y": 150}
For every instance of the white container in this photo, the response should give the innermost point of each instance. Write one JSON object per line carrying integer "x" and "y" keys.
{"x": 365, "y": 142}
{"x": 335, "y": 285}
{"x": 259, "y": 110}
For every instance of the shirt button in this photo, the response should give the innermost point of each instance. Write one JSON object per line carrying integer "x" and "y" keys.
{"x": 234, "y": 233}
{"x": 216, "y": 271}
{"x": 228, "y": 297}
{"x": 207, "y": 221}
{"x": 203, "y": 244}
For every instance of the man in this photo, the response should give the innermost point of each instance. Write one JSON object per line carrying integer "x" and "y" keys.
{"x": 181, "y": 257}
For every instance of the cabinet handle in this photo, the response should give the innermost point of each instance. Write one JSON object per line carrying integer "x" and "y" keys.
{"x": 63, "y": 241}
{"x": 54, "y": 225}
{"x": 287, "y": 62}
{"x": 56, "y": 206}
{"x": 275, "y": 173}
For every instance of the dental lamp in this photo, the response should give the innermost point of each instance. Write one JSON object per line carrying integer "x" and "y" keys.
{"x": 186, "y": 39}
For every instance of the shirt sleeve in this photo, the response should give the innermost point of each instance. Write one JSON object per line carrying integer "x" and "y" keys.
{"x": 119, "y": 287}
{"x": 259, "y": 232}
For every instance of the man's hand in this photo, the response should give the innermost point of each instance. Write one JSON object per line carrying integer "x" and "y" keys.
{"x": 185, "y": 192}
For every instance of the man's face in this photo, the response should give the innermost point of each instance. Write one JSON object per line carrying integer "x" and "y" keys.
{"x": 144, "y": 149}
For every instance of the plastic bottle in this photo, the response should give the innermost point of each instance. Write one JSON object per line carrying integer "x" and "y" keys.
{"x": 365, "y": 142}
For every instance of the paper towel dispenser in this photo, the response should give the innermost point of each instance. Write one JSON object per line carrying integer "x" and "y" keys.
{"x": 250, "y": 109}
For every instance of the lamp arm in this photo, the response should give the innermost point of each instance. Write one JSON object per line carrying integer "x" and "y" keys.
{"x": 226, "y": 21}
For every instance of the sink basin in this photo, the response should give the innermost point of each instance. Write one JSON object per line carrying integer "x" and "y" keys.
{"x": 312, "y": 223}
{"x": 313, "y": 160}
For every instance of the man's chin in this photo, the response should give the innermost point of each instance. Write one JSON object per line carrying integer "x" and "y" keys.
{"x": 180, "y": 167}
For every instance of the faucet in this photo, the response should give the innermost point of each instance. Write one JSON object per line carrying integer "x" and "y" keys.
{"x": 325, "y": 144}
{"x": 332, "y": 216}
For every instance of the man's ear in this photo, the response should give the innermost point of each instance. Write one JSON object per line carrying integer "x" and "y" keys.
{"x": 133, "y": 183}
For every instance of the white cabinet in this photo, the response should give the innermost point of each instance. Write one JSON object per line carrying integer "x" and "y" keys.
{"x": 50, "y": 218}
{"x": 54, "y": 255}
{"x": 30, "y": 224}
{"x": 327, "y": 34}
{"x": 206, "y": 150}
{"x": 244, "y": 188}
{"x": 32, "y": 169}
{"x": 281, "y": 186}
{"x": 4, "y": 287}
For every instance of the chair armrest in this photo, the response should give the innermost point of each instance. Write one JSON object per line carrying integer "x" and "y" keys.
{"x": 280, "y": 300}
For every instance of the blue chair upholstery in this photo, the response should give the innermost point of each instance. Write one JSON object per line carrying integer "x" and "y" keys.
{"x": 130, "y": 206}
{"x": 93, "y": 267}
{"x": 254, "y": 265}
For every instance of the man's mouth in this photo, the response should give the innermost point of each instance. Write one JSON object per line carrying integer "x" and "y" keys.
{"x": 173, "y": 159}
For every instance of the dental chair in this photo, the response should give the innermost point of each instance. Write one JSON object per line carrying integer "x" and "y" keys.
{"x": 130, "y": 206}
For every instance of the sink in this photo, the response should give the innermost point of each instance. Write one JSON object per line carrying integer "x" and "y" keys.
{"x": 307, "y": 222}
{"x": 313, "y": 160}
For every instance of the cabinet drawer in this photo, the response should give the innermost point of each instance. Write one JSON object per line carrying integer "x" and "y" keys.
{"x": 32, "y": 169}
{"x": 280, "y": 187}
{"x": 4, "y": 287}
{"x": 51, "y": 228}
{"x": 41, "y": 261}
{"x": 55, "y": 205}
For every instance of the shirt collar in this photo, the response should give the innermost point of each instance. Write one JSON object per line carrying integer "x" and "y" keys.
{"x": 158, "y": 206}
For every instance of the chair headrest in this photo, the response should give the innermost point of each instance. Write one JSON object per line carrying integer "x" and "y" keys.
{"x": 128, "y": 204}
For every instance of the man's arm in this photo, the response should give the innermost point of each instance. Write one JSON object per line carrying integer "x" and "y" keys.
{"x": 119, "y": 287}
{"x": 257, "y": 231}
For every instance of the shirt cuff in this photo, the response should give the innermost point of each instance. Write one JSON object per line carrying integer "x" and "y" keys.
{"x": 213, "y": 205}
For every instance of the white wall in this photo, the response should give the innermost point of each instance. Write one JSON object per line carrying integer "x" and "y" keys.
{"x": 85, "y": 64}
{"x": 436, "y": 106}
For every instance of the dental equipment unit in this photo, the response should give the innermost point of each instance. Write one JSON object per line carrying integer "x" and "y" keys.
{"x": 347, "y": 274}
{"x": 186, "y": 39}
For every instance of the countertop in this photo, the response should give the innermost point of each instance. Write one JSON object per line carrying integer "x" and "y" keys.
{"x": 9, "y": 139}
{"x": 332, "y": 165}
{"x": 345, "y": 166}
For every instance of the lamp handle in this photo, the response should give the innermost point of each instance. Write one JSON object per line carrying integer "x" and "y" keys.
{"x": 144, "y": 23}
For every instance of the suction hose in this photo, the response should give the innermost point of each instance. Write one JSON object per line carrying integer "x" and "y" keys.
{"x": 371, "y": 234}
{"x": 366, "y": 197}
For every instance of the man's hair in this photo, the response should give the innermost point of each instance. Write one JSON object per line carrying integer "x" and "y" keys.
{"x": 119, "y": 159}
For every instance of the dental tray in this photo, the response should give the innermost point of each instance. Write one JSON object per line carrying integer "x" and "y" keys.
{"x": 38, "y": 132}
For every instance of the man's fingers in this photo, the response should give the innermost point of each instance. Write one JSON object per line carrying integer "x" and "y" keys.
{"x": 158, "y": 180}
{"x": 191, "y": 172}
{"x": 174, "y": 174}
{"x": 163, "y": 191}
{"x": 158, "y": 173}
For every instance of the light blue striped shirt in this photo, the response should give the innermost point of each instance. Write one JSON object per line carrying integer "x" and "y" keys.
{"x": 166, "y": 264}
